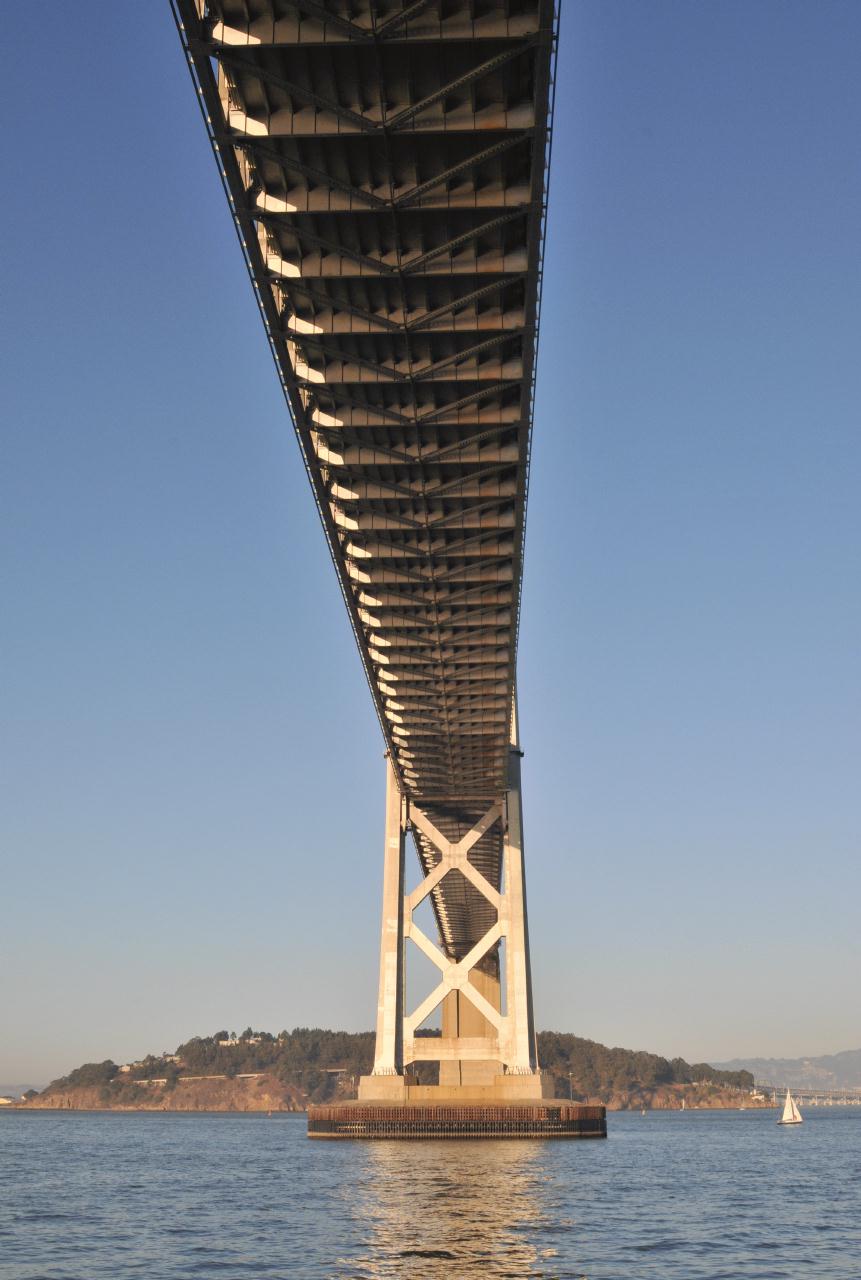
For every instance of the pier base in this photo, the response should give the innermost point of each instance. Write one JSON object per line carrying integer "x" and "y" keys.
{"x": 449, "y": 1119}
{"x": 490, "y": 1084}
{"x": 499, "y": 1088}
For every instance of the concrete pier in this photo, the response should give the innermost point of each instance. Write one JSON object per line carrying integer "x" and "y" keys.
{"x": 464, "y": 1119}
{"x": 489, "y": 1080}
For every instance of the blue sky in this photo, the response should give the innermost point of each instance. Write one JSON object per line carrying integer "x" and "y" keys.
{"x": 192, "y": 772}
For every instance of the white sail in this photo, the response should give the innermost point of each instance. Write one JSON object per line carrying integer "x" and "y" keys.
{"x": 791, "y": 1114}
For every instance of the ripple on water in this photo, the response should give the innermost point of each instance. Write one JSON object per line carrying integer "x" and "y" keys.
{"x": 680, "y": 1197}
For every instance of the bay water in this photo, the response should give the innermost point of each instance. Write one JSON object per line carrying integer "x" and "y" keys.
{"x": 694, "y": 1195}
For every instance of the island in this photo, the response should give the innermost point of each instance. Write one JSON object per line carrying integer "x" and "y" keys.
{"x": 259, "y": 1071}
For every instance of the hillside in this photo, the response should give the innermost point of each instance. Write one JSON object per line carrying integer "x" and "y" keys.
{"x": 258, "y": 1071}
{"x": 15, "y": 1090}
{"x": 831, "y": 1071}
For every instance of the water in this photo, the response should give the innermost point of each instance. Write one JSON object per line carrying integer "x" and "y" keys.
{"x": 691, "y": 1196}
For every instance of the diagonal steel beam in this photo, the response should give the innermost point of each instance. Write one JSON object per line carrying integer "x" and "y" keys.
{"x": 349, "y": 357}
{"x": 390, "y": 371}
{"x": 450, "y": 574}
{"x": 462, "y": 82}
{"x": 441, "y": 522}
{"x": 294, "y": 228}
{"x": 396, "y": 455}
{"x": 398, "y": 19}
{"x": 345, "y": 401}
{"x": 458, "y": 304}
{"x": 454, "y": 850}
{"x": 290, "y": 163}
{"x": 482, "y": 394}
{"x": 462, "y": 166}
{"x": 250, "y": 65}
{"x": 455, "y": 976}
{"x": 329, "y": 303}
{"x": 350, "y": 29}
{"x": 457, "y": 596}
{"x": 484, "y": 1007}
{"x": 469, "y": 352}
{"x": 426, "y": 1007}
{"x": 416, "y": 552}
{"x": 415, "y": 264}
{"x": 482, "y": 473}
{"x": 424, "y": 944}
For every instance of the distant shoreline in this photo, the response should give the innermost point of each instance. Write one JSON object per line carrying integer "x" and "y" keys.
{"x": 87, "y": 1105}
{"x": 287, "y": 1072}
{"x": 266, "y": 1115}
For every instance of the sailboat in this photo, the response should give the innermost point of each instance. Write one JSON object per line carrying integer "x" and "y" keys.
{"x": 791, "y": 1114}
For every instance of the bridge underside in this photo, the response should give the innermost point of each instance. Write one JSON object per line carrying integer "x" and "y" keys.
{"x": 385, "y": 163}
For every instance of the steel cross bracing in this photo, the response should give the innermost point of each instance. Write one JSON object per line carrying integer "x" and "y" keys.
{"x": 385, "y": 163}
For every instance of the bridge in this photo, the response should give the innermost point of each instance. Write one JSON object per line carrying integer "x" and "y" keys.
{"x": 386, "y": 166}
{"x": 810, "y": 1097}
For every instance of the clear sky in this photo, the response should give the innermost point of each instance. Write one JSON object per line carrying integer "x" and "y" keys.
{"x": 192, "y": 771}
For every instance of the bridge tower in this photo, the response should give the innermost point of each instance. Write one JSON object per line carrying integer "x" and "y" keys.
{"x": 385, "y": 164}
{"x": 487, "y": 1047}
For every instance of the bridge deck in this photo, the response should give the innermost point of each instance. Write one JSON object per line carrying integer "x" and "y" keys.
{"x": 386, "y": 168}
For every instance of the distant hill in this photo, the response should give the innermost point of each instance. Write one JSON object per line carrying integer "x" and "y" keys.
{"x": 258, "y": 1070}
{"x": 832, "y": 1071}
{"x": 16, "y": 1090}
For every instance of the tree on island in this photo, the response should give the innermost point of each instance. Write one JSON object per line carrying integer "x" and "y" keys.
{"x": 320, "y": 1064}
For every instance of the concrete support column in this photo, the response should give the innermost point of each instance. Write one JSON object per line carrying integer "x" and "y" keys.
{"x": 461, "y": 1019}
{"x": 520, "y": 1056}
{"x": 389, "y": 1058}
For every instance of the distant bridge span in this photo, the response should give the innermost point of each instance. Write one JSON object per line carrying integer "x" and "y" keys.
{"x": 810, "y": 1096}
{"x": 386, "y": 167}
